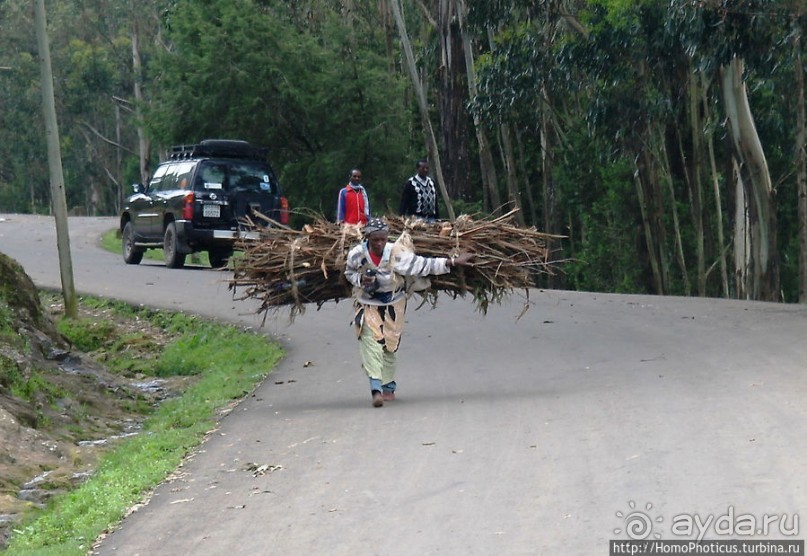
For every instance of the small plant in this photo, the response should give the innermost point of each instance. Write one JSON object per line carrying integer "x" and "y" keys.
{"x": 10, "y": 373}
{"x": 86, "y": 335}
{"x": 36, "y": 388}
{"x": 7, "y": 332}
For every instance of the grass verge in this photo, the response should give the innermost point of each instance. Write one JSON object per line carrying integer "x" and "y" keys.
{"x": 226, "y": 362}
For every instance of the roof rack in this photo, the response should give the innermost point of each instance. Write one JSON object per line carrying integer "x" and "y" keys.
{"x": 223, "y": 148}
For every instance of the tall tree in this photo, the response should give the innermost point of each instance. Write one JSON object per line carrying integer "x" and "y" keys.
{"x": 420, "y": 95}
{"x": 800, "y": 157}
{"x": 491, "y": 200}
{"x": 453, "y": 98}
{"x": 760, "y": 271}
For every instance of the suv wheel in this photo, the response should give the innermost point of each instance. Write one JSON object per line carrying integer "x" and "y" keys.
{"x": 173, "y": 258}
{"x": 131, "y": 254}
{"x": 219, "y": 256}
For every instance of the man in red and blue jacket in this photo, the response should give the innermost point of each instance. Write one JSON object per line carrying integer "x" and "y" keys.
{"x": 353, "y": 207}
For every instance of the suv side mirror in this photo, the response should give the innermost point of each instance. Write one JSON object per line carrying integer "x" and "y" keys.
{"x": 137, "y": 187}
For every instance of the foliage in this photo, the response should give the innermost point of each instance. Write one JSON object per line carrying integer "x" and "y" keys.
{"x": 36, "y": 388}
{"x": 86, "y": 334}
{"x": 322, "y": 104}
{"x": 10, "y": 374}
{"x": 623, "y": 73}
{"x": 604, "y": 227}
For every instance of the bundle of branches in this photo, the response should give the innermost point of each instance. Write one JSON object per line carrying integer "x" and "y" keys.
{"x": 288, "y": 267}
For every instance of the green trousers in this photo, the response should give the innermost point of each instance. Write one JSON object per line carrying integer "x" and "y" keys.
{"x": 377, "y": 362}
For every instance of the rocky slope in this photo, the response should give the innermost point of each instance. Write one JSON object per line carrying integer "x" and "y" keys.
{"x": 59, "y": 409}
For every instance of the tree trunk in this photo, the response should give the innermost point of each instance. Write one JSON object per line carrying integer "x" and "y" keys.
{"x": 452, "y": 97}
{"x": 509, "y": 163}
{"x": 384, "y": 12}
{"x": 348, "y": 13}
{"x": 654, "y": 199}
{"x": 549, "y": 138}
{"x": 759, "y": 193}
{"x": 648, "y": 230}
{"x": 118, "y": 162}
{"x": 742, "y": 237}
{"x": 522, "y": 168}
{"x": 548, "y": 185}
{"x": 696, "y": 181}
{"x": 801, "y": 163}
{"x": 509, "y": 160}
{"x": 490, "y": 183}
{"x": 58, "y": 200}
{"x": 137, "y": 69}
{"x": 721, "y": 242}
{"x": 420, "y": 94}
{"x": 679, "y": 245}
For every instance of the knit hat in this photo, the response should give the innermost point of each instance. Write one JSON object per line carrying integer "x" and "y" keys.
{"x": 375, "y": 225}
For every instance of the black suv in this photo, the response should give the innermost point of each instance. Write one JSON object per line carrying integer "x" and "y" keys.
{"x": 198, "y": 200}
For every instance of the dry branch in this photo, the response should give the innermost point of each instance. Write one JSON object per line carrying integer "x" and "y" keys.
{"x": 288, "y": 267}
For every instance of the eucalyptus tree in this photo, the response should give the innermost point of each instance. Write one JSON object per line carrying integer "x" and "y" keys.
{"x": 452, "y": 93}
{"x": 490, "y": 195}
{"x": 554, "y": 71}
{"x": 92, "y": 86}
{"x": 517, "y": 94}
{"x": 744, "y": 45}
{"x": 23, "y": 174}
{"x": 756, "y": 255}
{"x": 58, "y": 201}
{"x": 436, "y": 55}
{"x": 420, "y": 96}
{"x": 800, "y": 157}
{"x": 441, "y": 63}
{"x": 97, "y": 79}
{"x": 641, "y": 76}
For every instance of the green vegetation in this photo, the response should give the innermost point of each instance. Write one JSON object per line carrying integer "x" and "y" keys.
{"x": 111, "y": 241}
{"x": 86, "y": 334}
{"x": 226, "y": 364}
{"x": 11, "y": 376}
{"x": 7, "y": 332}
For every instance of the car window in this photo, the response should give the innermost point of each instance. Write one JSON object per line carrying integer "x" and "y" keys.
{"x": 236, "y": 176}
{"x": 168, "y": 181}
{"x": 252, "y": 176}
{"x": 211, "y": 175}
{"x": 182, "y": 172}
{"x": 157, "y": 178}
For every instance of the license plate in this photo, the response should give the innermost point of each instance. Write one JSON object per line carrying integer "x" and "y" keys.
{"x": 211, "y": 211}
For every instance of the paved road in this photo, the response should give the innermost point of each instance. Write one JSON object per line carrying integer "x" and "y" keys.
{"x": 533, "y": 437}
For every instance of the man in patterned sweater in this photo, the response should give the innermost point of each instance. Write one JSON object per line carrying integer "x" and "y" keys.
{"x": 419, "y": 196}
{"x": 377, "y": 271}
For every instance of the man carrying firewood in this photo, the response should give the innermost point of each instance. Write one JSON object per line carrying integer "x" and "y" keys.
{"x": 378, "y": 272}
